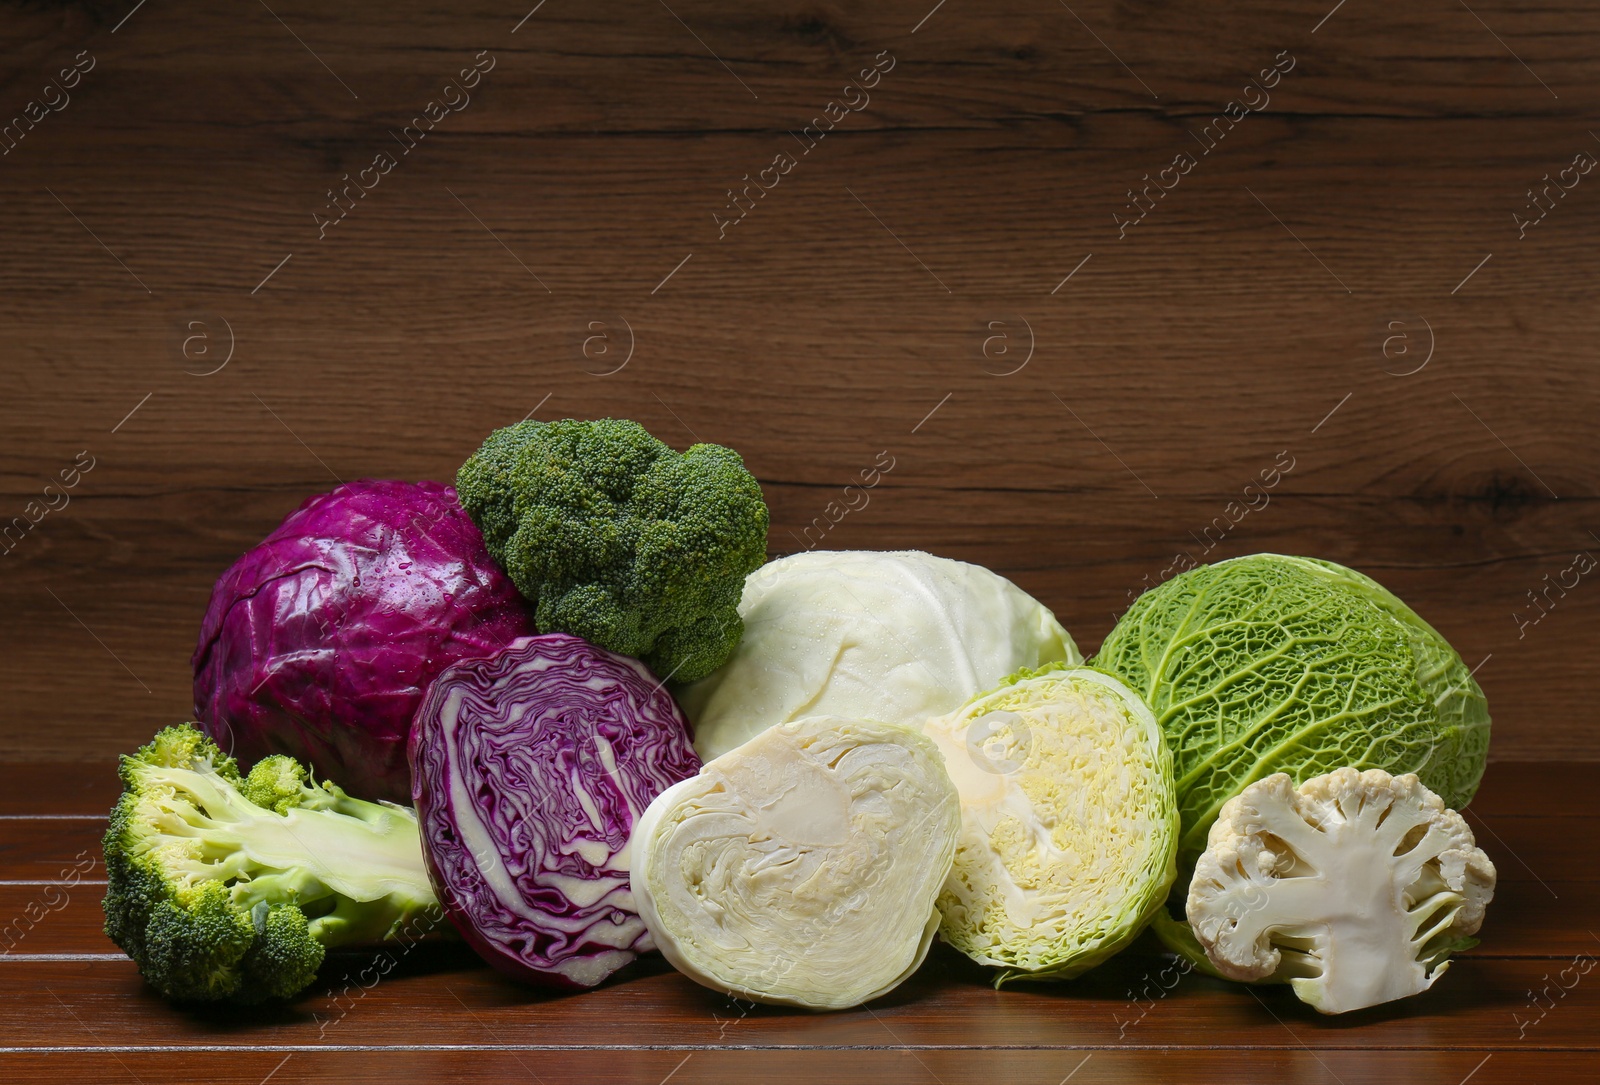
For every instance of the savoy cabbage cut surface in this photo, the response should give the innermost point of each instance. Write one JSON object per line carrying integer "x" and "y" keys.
{"x": 1267, "y": 664}
{"x": 1068, "y": 822}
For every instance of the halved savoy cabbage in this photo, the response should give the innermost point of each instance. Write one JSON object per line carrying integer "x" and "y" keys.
{"x": 1069, "y": 822}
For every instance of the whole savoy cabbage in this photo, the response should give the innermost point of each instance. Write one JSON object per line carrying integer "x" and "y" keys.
{"x": 1267, "y": 664}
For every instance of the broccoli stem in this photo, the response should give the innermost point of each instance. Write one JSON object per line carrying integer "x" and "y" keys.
{"x": 307, "y": 852}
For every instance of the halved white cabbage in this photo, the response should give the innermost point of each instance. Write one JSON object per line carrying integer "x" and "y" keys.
{"x": 892, "y": 636}
{"x": 802, "y": 867}
{"x": 1069, "y": 822}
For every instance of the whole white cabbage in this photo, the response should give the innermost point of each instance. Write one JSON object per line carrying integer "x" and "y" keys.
{"x": 892, "y": 636}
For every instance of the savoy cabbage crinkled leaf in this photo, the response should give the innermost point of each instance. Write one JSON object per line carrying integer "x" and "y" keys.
{"x": 1268, "y": 663}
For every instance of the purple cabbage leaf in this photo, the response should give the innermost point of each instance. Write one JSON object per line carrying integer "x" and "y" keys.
{"x": 529, "y": 771}
{"x": 319, "y": 642}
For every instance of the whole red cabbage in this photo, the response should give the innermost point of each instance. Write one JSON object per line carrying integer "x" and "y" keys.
{"x": 319, "y": 642}
{"x": 529, "y": 770}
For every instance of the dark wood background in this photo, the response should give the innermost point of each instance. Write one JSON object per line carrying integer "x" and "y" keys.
{"x": 1340, "y": 283}
{"x": 1190, "y": 353}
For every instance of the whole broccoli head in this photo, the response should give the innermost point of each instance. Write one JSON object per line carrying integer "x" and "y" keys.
{"x": 222, "y": 887}
{"x": 620, "y": 540}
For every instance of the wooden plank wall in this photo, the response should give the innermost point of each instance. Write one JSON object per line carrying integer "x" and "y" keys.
{"x": 1339, "y": 283}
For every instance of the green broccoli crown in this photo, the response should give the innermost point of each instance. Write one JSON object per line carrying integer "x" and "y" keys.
{"x": 618, "y": 539}
{"x": 222, "y": 887}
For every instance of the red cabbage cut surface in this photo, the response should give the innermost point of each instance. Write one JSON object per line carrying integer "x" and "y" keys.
{"x": 529, "y": 770}
{"x": 319, "y": 642}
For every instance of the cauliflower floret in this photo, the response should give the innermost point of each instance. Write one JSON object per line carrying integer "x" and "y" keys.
{"x": 1353, "y": 888}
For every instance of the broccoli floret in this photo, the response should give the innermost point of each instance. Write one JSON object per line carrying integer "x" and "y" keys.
{"x": 224, "y": 888}
{"x": 620, "y": 540}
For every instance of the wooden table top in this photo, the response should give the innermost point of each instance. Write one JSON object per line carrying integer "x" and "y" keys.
{"x": 1084, "y": 275}
{"x": 1521, "y": 1007}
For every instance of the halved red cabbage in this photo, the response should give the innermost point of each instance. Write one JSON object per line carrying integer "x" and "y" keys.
{"x": 319, "y": 642}
{"x": 529, "y": 770}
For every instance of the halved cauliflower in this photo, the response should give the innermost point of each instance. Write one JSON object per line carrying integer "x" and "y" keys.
{"x": 1353, "y": 888}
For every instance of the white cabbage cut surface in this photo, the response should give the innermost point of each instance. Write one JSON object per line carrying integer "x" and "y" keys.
{"x": 802, "y": 868}
{"x": 892, "y": 636}
{"x": 1069, "y": 822}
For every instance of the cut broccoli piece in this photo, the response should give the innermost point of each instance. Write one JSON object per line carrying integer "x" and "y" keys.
{"x": 618, "y": 539}
{"x": 224, "y": 888}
